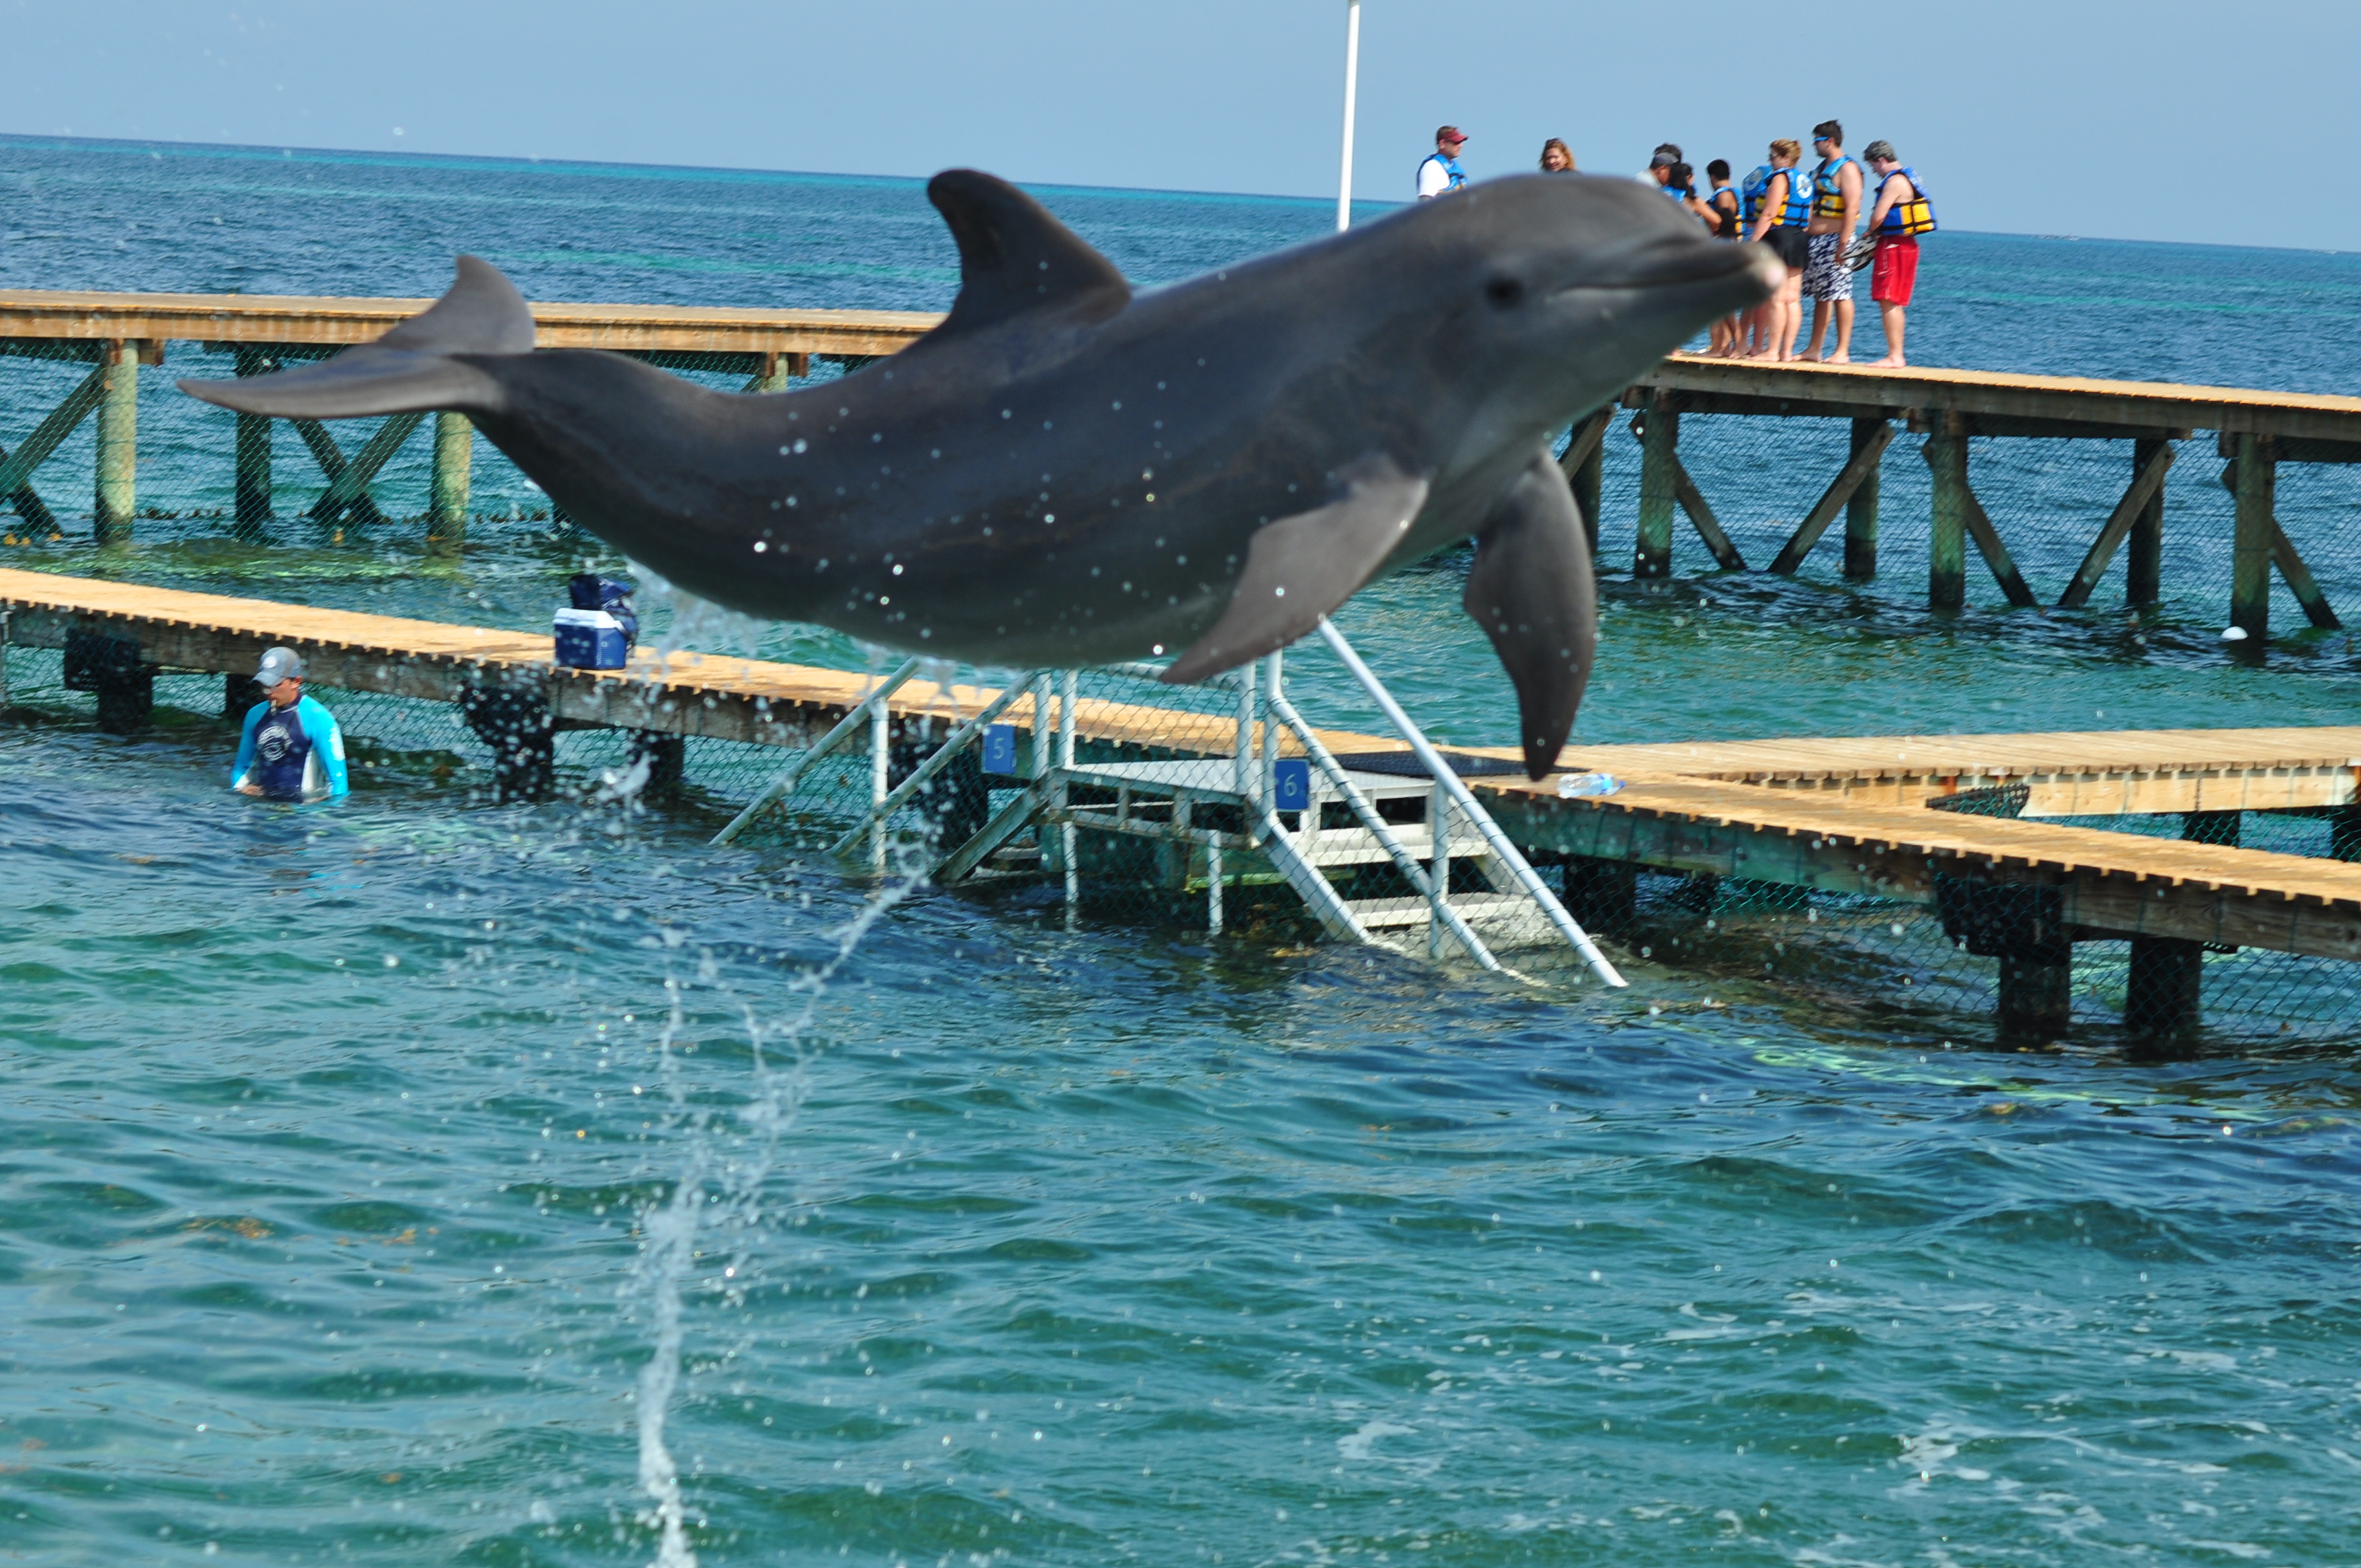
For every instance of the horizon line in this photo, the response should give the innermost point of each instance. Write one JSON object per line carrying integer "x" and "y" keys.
{"x": 526, "y": 162}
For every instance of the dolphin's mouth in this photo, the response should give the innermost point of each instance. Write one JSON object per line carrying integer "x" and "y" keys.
{"x": 1674, "y": 266}
{"x": 1686, "y": 263}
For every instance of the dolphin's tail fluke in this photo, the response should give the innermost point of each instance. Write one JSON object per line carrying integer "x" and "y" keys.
{"x": 408, "y": 370}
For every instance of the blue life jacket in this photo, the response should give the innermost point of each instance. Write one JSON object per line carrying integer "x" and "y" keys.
{"x": 1796, "y": 211}
{"x": 1752, "y": 190}
{"x": 1910, "y": 218}
{"x": 1829, "y": 202}
{"x": 1680, "y": 192}
{"x": 1450, "y": 167}
{"x": 1727, "y": 222}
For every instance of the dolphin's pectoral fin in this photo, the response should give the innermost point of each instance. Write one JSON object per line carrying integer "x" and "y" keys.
{"x": 405, "y": 372}
{"x": 1532, "y": 592}
{"x": 1300, "y": 567}
{"x": 1015, "y": 258}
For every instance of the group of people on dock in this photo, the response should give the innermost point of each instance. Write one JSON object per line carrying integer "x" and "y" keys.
{"x": 1826, "y": 224}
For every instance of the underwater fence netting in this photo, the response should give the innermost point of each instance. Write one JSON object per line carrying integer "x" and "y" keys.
{"x": 1885, "y": 964}
{"x": 1887, "y": 960}
{"x": 2046, "y": 497}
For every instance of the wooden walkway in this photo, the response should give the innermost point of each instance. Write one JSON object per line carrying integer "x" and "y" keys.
{"x": 2256, "y": 431}
{"x": 31, "y": 318}
{"x": 1996, "y": 402}
{"x": 1844, "y": 816}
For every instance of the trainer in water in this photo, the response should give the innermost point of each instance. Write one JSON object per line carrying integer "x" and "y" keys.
{"x": 290, "y": 748}
{"x": 1065, "y": 473}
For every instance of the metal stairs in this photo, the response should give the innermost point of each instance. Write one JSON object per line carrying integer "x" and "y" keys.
{"x": 1216, "y": 821}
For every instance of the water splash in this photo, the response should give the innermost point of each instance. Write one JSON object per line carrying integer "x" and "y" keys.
{"x": 710, "y": 1195}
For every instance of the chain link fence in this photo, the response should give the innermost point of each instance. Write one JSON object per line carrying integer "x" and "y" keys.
{"x": 187, "y": 472}
{"x": 2047, "y": 499}
{"x": 1840, "y": 963}
{"x": 1173, "y": 851}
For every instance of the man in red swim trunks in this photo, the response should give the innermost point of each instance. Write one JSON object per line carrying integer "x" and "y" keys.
{"x": 1895, "y": 272}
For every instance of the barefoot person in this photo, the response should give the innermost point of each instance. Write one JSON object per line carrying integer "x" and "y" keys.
{"x": 1835, "y": 213}
{"x": 1786, "y": 213}
{"x": 1901, "y": 215}
{"x": 1728, "y": 224}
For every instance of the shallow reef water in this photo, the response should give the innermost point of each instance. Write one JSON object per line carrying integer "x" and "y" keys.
{"x": 335, "y": 1140}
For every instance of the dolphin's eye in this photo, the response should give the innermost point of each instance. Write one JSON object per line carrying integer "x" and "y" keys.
{"x": 1505, "y": 292}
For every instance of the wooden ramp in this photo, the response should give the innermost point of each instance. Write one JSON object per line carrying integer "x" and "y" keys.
{"x": 1842, "y": 815}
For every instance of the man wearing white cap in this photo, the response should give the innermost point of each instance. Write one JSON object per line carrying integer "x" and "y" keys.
{"x": 291, "y": 749}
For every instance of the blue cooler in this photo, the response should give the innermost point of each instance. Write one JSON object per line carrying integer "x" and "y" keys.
{"x": 598, "y": 632}
{"x": 592, "y": 640}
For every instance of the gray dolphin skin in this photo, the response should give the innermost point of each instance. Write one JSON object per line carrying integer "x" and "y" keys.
{"x": 1066, "y": 473}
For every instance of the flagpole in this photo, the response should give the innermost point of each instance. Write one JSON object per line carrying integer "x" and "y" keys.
{"x": 1352, "y": 77}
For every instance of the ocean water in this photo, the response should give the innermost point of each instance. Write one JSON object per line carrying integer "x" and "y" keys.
{"x": 343, "y": 1164}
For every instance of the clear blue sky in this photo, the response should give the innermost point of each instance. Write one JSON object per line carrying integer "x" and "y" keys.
{"x": 2165, "y": 120}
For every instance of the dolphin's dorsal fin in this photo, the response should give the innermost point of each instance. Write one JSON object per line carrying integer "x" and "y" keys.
{"x": 1300, "y": 567}
{"x": 1015, "y": 258}
{"x": 480, "y": 313}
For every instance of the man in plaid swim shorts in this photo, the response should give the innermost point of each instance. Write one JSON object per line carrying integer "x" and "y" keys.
{"x": 1836, "y": 215}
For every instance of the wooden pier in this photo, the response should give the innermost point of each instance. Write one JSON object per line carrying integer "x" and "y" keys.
{"x": 1847, "y": 816}
{"x": 2255, "y": 431}
{"x": 117, "y": 334}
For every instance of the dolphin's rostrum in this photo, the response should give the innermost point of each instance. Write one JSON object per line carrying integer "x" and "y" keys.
{"x": 1065, "y": 473}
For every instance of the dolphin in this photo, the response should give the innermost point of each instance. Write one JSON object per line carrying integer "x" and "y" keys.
{"x": 1066, "y": 473}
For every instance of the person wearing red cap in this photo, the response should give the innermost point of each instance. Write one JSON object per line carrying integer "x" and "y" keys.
{"x": 1441, "y": 173}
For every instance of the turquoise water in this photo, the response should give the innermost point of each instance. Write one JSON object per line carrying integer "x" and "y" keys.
{"x": 337, "y": 1140}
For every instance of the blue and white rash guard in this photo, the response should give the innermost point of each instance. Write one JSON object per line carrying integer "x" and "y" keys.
{"x": 293, "y": 754}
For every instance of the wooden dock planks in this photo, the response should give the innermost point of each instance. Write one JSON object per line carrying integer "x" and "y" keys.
{"x": 1752, "y": 387}
{"x": 42, "y": 313}
{"x": 1802, "y": 812}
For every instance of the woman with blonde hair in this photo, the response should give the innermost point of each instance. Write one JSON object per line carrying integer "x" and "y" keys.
{"x": 1556, "y": 158}
{"x": 1781, "y": 199}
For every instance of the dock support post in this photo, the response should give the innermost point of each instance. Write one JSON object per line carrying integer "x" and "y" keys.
{"x": 446, "y": 501}
{"x": 777, "y": 371}
{"x": 1585, "y": 465}
{"x": 2250, "y": 560}
{"x": 1947, "y": 551}
{"x": 1659, "y": 435}
{"x": 2037, "y": 996}
{"x": 1601, "y": 895}
{"x": 2144, "y": 563}
{"x": 667, "y": 758}
{"x": 1438, "y": 868}
{"x": 118, "y": 444}
{"x": 515, "y": 722}
{"x": 252, "y": 508}
{"x": 880, "y": 751}
{"x": 2345, "y": 833}
{"x": 1068, "y": 843}
{"x": 2163, "y": 992}
{"x": 1861, "y": 513}
{"x": 2211, "y": 828}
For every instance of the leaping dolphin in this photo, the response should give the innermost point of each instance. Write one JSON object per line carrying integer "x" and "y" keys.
{"x": 1064, "y": 472}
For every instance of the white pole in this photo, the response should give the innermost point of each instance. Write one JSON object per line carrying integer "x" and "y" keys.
{"x": 1352, "y": 77}
{"x": 1475, "y": 816}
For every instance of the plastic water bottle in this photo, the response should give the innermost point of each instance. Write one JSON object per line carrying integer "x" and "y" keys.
{"x": 1577, "y": 787}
